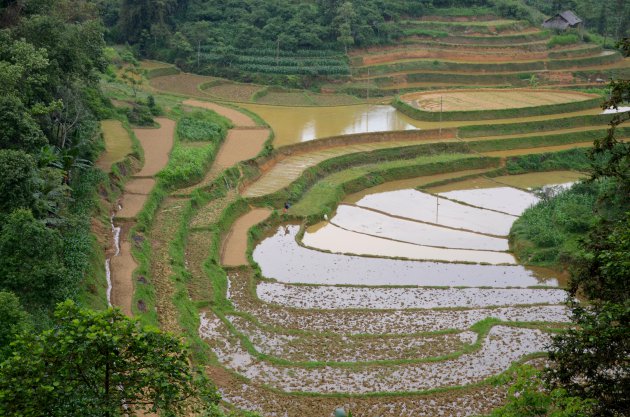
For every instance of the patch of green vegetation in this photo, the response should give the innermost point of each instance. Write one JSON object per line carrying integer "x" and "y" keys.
{"x": 563, "y": 40}
{"x": 187, "y": 165}
{"x": 573, "y": 159}
{"x": 547, "y": 234}
{"x": 202, "y": 126}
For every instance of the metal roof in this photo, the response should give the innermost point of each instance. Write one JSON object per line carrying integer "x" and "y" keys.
{"x": 570, "y": 17}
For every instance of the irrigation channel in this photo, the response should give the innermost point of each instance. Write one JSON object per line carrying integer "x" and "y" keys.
{"x": 392, "y": 296}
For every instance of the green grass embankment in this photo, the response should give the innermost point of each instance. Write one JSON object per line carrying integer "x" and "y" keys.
{"x": 477, "y": 131}
{"x": 419, "y": 114}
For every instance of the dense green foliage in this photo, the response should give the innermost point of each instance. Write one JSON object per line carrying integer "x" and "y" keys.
{"x": 99, "y": 364}
{"x": 548, "y": 233}
{"x": 226, "y": 37}
{"x": 51, "y": 54}
{"x": 590, "y": 369}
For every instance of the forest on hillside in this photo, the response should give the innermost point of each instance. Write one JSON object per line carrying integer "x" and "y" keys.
{"x": 206, "y": 36}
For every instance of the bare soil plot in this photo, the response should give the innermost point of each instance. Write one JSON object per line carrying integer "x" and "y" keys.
{"x": 183, "y": 83}
{"x": 157, "y": 144}
{"x": 235, "y": 244}
{"x": 233, "y": 92}
{"x": 491, "y": 99}
{"x": 122, "y": 267}
{"x": 117, "y": 144}
{"x": 241, "y": 145}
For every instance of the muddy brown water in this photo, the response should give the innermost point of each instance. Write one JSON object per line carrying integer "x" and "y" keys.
{"x": 299, "y": 124}
{"x": 117, "y": 144}
{"x": 235, "y": 244}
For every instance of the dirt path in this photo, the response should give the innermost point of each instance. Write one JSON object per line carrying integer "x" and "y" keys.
{"x": 239, "y": 119}
{"x": 234, "y": 248}
{"x": 157, "y": 144}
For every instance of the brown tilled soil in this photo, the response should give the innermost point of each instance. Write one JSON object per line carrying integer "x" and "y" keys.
{"x": 122, "y": 268}
{"x": 186, "y": 84}
{"x": 238, "y": 119}
{"x": 157, "y": 144}
{"x": 235, "y": 244}
{"x": 467, "y": 56}
{"x": 131, "y": 205}
{"x": 240, "y": 145}
{"x": 140, "y": 185}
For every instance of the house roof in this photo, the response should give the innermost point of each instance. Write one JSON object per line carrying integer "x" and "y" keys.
{"x": 570, "y": 17}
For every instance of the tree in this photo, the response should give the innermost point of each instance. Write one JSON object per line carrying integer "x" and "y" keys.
{"x": 18, "y": 129}
{"x": 13, "y": 321}
{"x": 100, "y": 364}
{"x": 17, "y": 175}
{"x": 30, "y": 259}
{"x": 611, "y": 156}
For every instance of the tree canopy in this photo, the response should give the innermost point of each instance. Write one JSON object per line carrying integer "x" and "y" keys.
{"x": 99, "y": 364}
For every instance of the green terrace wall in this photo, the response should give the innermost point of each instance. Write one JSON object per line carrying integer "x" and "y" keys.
{"x": 445, "y": 44}
{"x": 500, "y": 39}
{"x": 439, "y": 65}
{"x": 543, "y": 140}
{"x": 528, "y": 127}
{"x": 418, "y": 114}
{"x": 466, "y": 27}
{"x": 162, "y": 72}
{"x": 583, "y": 50}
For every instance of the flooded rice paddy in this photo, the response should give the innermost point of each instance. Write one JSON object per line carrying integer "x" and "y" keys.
{"x": 299, "y": 124}
{"x": 329, "y": 297}
{"x": 281, "y": 258}
{"x": 454, "y": 238}
{"x": 503, "y": 346}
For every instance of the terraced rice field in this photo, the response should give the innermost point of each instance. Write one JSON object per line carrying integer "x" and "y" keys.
{"x": 398, "y": 300}
{"x": 490, "y": 99}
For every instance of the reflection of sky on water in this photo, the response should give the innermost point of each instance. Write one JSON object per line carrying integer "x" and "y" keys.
{"x": 377, "y": 119}
{"x": 280, "y": 257}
